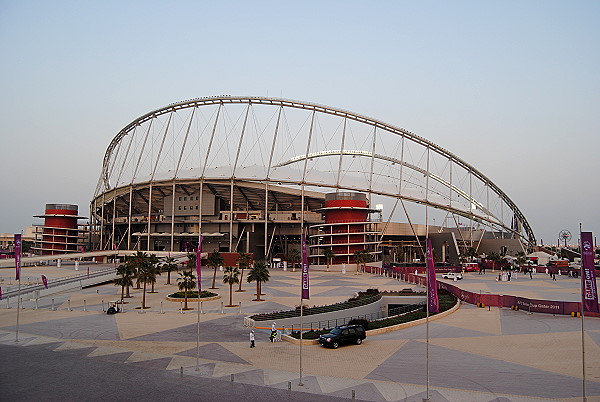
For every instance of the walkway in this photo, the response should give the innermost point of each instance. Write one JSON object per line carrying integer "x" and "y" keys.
{"x": 475, "y": 354}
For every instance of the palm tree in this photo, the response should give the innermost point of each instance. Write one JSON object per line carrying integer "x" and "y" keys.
{"x": 244, "y": 261}
{"x": 146, "y": 275}
{"x": 361, "y": 257}
{"x": 125, "y": 280}
{"x": 328, "y": 254}
{"x": 186, "y": 282}
{"x": 169, "y": 265}
{"x": 231, "y": 276}
{"x": 521, "y": 258}
{"x": 494, "y": 257}
{"x": 215, "y": 259}
{"x": 294, "y": 257}
{"x": 137, "y": 261}
{"x": 191, "y": 262}
{"x": 154, "y": 267}
{"x": 259, "y": 274}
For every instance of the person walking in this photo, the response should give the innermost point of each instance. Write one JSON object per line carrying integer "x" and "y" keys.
{"x": 530, "y": 273}
{"x": 252, "y": 345}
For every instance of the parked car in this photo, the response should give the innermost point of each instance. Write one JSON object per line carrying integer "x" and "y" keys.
{"x": 342, "y": 335}
{"x": 452, "y": 275}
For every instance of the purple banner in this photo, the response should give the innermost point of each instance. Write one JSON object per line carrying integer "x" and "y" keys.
{"x": 45, "y": 281}
{"x": 18, "y": 256}
{"x": 305, "y": 292}
{"x": 199, "y": 264}
{"x": 588, "y": 274}
{"x": 433, "y": 301}
{"x": 0, "y": 293}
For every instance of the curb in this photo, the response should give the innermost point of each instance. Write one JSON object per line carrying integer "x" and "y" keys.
{"x": 383, "y": 330}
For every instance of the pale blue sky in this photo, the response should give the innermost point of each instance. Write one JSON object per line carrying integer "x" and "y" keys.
{"x": 512, "y": 87}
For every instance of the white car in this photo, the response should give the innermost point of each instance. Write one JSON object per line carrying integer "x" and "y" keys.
{"x": 452, "y": 275}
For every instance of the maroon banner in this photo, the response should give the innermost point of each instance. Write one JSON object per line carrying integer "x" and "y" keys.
{"x": 199, "y": 264}
{"x": 588, "y": 275}
{"x": 45, "y": 281}
{"x": 0, "y": 292}
{"x": 305, "y": 292}
{"x": 18, "y": 256}
{"x": 433, "y": 301}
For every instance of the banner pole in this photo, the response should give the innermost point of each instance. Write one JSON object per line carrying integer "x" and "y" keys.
{"x": 18, "y": 309}
{"x": 199, "y": 275}
{"x": 583, "y": 390}
{"x": 17, "y": 251}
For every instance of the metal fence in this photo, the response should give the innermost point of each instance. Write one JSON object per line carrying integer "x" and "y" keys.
{"x": 328, "y": 324}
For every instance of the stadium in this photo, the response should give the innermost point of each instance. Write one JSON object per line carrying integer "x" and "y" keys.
{"x": 251, "y": 174}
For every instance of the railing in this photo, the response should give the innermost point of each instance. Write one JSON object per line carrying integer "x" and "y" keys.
{"x": 328, "y": 324}
{"x": 316, "y": 310}
{"x": 60, "y": 282}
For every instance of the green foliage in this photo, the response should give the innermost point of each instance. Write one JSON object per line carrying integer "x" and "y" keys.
{"x": 360, "y": 321}
{"x": 168, "y": 266}
{"x": 215, "y": 259}
{"x": 328, "y": 254}
{"x": 186, "y": 282}
{"x": 243, "y": 262}
{"x": 294, "y": 256}
{"x": 192, "y": 294}
{"x": 259, "y": 273}
{"x": 231, "y": 276}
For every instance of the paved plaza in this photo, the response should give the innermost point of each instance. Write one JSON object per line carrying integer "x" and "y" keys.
{"x": 475, "y": 354}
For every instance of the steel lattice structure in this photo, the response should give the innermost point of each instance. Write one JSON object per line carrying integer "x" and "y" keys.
{"x": 270, "y": 154}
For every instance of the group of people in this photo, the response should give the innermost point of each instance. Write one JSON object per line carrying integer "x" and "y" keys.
{"x": 272, "y": 336}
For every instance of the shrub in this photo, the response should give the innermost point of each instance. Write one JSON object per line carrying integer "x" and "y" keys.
{"x": 359, "y": 321}
{"x": 192, "y": 294}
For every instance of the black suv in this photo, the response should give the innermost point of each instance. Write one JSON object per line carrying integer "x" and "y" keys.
{"x": 343, "y": 334}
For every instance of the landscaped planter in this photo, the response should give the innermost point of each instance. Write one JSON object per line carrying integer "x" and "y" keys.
{"x": 172, "y": 298}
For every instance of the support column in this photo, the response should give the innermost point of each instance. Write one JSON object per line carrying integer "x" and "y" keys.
{"x": 149, "y": 217}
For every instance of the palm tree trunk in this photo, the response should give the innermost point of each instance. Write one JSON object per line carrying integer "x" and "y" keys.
{"x": 230, "y": 295}
{"x": 241, "y": 277}
{"x": 127, "y": 293}
{"x": 122, "y": 293}
{"x": 185, "y": 298}
{"x": 144, "y": 297}
{"x": 257, "y": 291}
{"x": 214, "y": 278}
{"x": 169, "y": 277}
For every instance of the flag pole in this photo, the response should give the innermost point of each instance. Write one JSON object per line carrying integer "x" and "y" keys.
{"x": 428, "y": 251}
{"x": 17, "y": 252}
{"x": 198, "y": 274}
{"x": 582, "y": 322}
{"x": 429, "y": 254}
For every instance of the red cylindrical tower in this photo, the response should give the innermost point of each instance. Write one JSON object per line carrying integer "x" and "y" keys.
{"x": 347, "y": 229}
{"x": 60, "y": 232}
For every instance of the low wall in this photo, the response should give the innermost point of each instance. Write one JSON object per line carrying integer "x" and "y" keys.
{"x": 532, "y": 305}
{"x": 338, "y": 317}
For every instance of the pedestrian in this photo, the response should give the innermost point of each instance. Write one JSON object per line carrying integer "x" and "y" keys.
{"x": 273, "y": 332}
{"x": 530, "y": 273}
{"x": 252, "y": 345}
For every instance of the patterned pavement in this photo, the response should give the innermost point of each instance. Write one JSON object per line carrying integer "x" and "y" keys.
{"x": 474, "y": 354}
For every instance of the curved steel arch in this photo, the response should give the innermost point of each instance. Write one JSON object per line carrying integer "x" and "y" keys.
{"x": 104, "y": 182}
